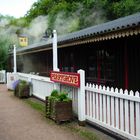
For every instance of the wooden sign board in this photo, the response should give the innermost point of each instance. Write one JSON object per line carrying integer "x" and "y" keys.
{"x": 68, "y": 78}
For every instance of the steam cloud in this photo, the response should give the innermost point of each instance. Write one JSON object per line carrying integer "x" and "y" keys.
{"x": 71, "y": 23}
{"x": 37, "y": 29}
{"x": 63, "y": 24}
{"x": 8, "y": 33}
{"x": 66, "y": 25}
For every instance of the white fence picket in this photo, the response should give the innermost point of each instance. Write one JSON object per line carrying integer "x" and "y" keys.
{"x": 108, "y": 108}
{"x": 116, "y": 110}
{"x": 94, "y": 99}
{"x": 112, "y": 109}
{"x": 97, "y": 104}
{"x": 121, "y": 112}
{"x": 101, "y": 105}
{"x": 90, "y": 103}
{"x": 87, "y": 85}
{"x": 132, "y": 129}
{"x": 137, "y": 116}
{"x": 104, "y": 107}
{"x": 126, "y": 113}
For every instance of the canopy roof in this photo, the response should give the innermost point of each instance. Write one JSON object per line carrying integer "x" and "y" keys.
{"x": 109, "y": 30}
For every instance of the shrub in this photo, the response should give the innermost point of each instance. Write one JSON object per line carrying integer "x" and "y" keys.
{"x": 59, "y": 96}
{"x": 22, "y": 89}
{"x": 59, "y": 106}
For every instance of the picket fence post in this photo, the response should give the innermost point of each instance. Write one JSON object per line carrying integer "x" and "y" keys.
{"x": 31, "y": 85}
{"x": 81, "y": 98}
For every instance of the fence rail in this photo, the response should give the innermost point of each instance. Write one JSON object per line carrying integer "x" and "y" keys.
{"x": 114, "y": 109}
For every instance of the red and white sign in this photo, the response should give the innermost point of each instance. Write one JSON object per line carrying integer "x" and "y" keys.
{"x": 68, "y": 78}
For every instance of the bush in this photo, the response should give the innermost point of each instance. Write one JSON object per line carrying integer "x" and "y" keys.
{"x": 22, "y": 89}
{"x": 59, "y": 97}
{"x": 55, "y": 93}
{"x": 59, "y": 106}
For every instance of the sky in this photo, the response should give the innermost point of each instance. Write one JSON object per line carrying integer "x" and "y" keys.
{"x": 16, "y": 8}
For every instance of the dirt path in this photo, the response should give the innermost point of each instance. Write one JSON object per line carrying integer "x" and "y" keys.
{"x": 20, "y": 122}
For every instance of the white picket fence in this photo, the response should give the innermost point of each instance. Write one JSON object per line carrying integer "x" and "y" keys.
{"x": 113, "y": 109}
{"x": 2, "y": 76}
{"x": 116, "y": 110}
{"x": 41, "y": 86}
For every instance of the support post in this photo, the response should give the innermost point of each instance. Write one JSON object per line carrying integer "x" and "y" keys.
{"x": 55, "y": 59}
{"x": 81, "y": 98}
{"x": 15, "y": 61}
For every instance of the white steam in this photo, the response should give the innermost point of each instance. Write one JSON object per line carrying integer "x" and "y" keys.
{"x": 34, "y": 32}
{"x": 96, "y": 16}
{"x": 7, "y": 32}
{"x": 4, "y": 22}
{"x": 37, "y": 28}
{"x": 65, "y": 25}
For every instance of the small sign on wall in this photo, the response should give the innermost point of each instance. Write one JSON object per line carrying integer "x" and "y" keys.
{"x": 23, "y": 41}
{"x": 68, "y": 78}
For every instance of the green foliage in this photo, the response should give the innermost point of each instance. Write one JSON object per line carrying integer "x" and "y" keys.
{"x": 3, "y": 52}
{"x": 22, "y": 84}
{"x": 63, "y": 97}
{"x": 59, "y": 97}
{"x": 6, "y": 40}
{"x": 98, "y": 11}
{"x": 54, "y": 93}
{"x": 53, "y": 99}
{"x": 86, "y": 12}
{"x": 22, "y": 89}
{"x": 36, "y": 105}
{"x": 8, "y": 37}
{"x": 120, "y": 8}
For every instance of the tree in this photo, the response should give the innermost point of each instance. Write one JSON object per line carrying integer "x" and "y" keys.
{"x": 3, "y": 52}
{"x": 88, "y": 12}
{"x": 120, "y": 8}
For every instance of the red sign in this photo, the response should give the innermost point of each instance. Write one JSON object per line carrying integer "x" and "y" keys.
{"x": 72, "y": 79}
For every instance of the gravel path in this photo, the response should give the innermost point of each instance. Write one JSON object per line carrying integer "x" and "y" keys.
{"x": 20, "y": 122}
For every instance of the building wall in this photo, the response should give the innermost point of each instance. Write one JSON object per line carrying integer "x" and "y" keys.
{"x": 112, "y": 63}
{"x": 134, "y": 63}
{"x": 40, "y": 63}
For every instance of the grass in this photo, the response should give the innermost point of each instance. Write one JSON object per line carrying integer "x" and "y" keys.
{"x": 36, "y": 105}
{"x": 73, "y": 126}
{"x": 82, "y": 131}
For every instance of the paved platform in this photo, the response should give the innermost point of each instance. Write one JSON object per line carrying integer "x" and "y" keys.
{"x": 18, "y": 121}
